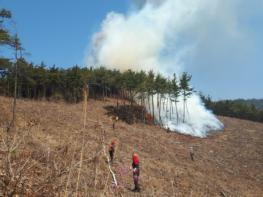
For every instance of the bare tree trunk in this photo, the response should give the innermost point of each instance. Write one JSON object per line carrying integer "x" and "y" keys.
{"x": 153, "y": 109}
{"x": 159, "y": 108}
{"x": 103, "y": 93}
{"x": 12, "y": 123}
{"x": 143, "y": 108}
{"x": 184, "y": 109}
{"x": 166, "y": 106}
{"x": 8, "y": 90}
{"x": 177, "y": 116}
{"x": 170, "y": 108}
{"x": 106, "y": 91}
{"x": 149, "y": 106}
{"x": 44, "y": 92}
{"x": 117, "y": 103}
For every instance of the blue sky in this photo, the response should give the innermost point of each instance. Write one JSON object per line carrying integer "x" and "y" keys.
{"x": 59, "y": 32}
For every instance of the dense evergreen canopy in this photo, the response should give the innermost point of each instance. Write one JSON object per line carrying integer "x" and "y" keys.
{"x": 234, "y": 108}
{"x": 41, "y": 81}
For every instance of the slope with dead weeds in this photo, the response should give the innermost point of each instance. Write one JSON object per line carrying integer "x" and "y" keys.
{"x": 227, "y": 163}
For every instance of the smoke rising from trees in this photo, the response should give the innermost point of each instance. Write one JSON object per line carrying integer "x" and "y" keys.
{"x": 159, "y": 36}
{"x": 214, "y": 40}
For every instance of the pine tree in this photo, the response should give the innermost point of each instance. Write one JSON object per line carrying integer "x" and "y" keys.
{"x": 175, "y": 92}
{"x": 187, "y": 91}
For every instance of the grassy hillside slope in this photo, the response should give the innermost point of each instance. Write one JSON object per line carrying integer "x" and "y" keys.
{"x": 49, "y": 136}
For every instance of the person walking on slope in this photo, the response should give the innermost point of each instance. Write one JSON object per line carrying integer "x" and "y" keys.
{"x": 136, "y": 172}
{"x": 112, "y": 150}
{"x": 114, "y": 121}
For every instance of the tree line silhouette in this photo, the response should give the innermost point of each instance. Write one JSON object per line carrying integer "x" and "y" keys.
{"x": 234, "y": 108}
{"x": 52, "y": 83}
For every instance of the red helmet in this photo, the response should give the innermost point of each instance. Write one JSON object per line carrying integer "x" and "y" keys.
{"x": 135, "y": 158}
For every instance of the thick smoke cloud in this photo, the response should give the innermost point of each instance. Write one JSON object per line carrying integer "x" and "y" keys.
{"x": 197, "y": 121}
{"x": 169, "y": 35}
{"x": 172, "y": 36}
{"x": 144, "y": 38}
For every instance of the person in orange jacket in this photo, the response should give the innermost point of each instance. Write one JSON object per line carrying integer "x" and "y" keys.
{"x": 112, "y": 150}
{"x": 136, "y": 172}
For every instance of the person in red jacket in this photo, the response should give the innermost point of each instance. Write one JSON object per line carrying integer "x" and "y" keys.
{"x": 112, "y": 150}
{"x": 136, "y": 172}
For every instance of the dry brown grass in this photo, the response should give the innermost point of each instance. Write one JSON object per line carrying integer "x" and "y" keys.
{"x": 50, "y": 142}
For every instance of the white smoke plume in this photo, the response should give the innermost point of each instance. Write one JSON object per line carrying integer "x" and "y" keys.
{"x": 160, "y": 35}
{"x": 197, "y": 122}
{"x": 143, "y": 37}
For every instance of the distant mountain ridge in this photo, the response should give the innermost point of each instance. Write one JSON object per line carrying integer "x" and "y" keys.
{"x": 248, "y": 109}
{"x": 258, "y": 103}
